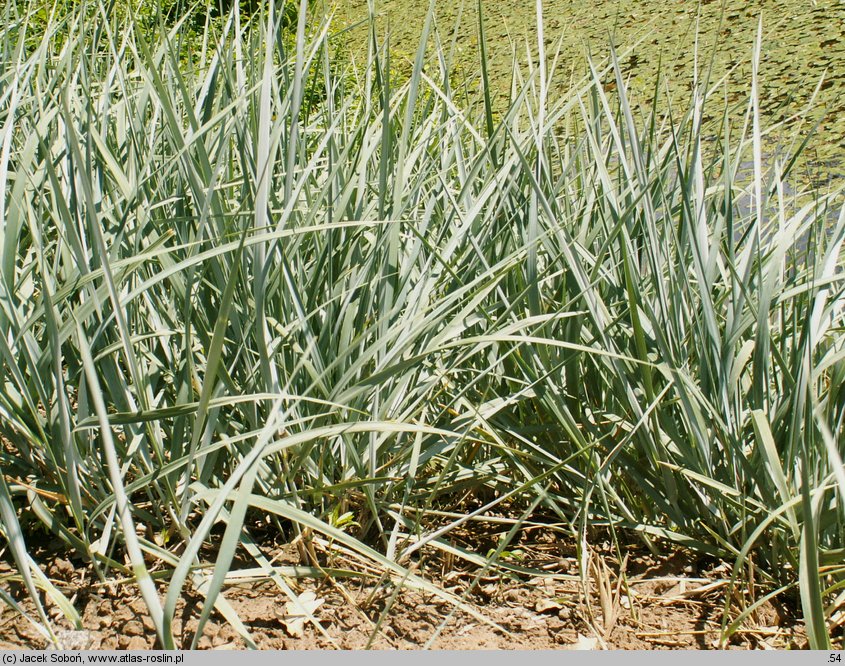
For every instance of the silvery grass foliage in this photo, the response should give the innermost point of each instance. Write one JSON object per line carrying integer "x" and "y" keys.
{"x": 256, "y": 286}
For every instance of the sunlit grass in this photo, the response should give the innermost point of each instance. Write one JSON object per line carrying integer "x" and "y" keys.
{"x": 276, "y": 285}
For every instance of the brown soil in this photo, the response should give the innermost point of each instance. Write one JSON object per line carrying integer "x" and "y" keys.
{"x": 659, "y": 603}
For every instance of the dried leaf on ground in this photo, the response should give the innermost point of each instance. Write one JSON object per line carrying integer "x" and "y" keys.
{"x": 297, "y": 614}
{"x": 585, "y": 643}
{"x": 547, "y": 606}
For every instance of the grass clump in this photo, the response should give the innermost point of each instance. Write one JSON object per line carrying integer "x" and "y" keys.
{"x": 274, "y": 286}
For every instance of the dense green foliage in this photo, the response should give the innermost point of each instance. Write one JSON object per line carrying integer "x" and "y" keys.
{"x": 803, "y": 54}
{"x": 269, "y": 286}
{"x": 195, "y": 21}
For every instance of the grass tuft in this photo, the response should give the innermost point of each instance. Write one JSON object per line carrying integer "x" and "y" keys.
{"x": 276, "y": 283}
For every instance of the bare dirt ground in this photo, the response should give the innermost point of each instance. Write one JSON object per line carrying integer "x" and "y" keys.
{"x": 643, "y": 602}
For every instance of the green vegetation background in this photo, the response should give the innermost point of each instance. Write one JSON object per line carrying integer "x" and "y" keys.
{"x": 803, "y": 47}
